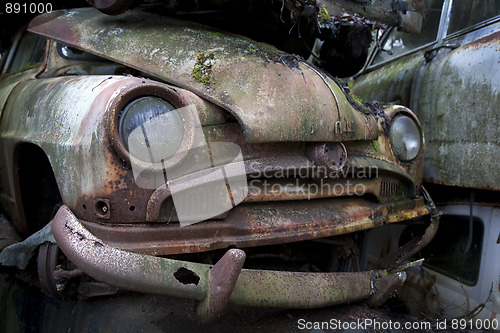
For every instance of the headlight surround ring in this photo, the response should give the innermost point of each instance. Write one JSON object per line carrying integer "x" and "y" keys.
{"x": 406, "y": 136}
{"x": 131, "y": 94}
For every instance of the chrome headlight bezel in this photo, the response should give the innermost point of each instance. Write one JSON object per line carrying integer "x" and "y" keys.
{"x": 406, "y": 136}
{"x": 134, "y": 92}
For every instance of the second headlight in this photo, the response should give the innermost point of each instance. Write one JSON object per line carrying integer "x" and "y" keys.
{"x": 406, "y": 138}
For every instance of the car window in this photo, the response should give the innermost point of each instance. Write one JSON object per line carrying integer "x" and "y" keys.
{"x": 466, "y": 13}
{"x": 29, "y": 53}
{"x": 456, "y": 238}
{"x": 71, "y": 53}
{"x": 398, "y": 43}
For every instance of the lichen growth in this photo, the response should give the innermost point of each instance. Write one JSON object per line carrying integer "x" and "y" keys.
{"x": 27, "y": 67}
{"x": 251, "y": 48}
{"x": 376, "y": 146}
{"x": 217, "y": 34}
{"x": 398, "y": 197}
{"x": 202, "y": 70}
{"x": 354, "y": 100}
{"x": 323, "y": 15}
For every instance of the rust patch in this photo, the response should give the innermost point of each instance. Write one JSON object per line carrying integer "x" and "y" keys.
{"x": 185, "y": 276}
{"x": 258, "y": 224}
{"x": 217, "y": 285}
{"x": 493, "y": 38}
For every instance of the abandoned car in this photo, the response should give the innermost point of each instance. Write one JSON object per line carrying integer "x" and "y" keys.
{"x": 165, "y": 152}
{"x": 450, "y": 77}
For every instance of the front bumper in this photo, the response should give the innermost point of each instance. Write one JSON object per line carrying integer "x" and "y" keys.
{"x": 215, "y": 286}
{"x": 260, "y": 223}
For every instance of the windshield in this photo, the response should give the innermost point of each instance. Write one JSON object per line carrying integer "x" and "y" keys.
{"x": 71, "y": 53}
{"x": 466, "y": 13}
{"x": 398, "y": 43}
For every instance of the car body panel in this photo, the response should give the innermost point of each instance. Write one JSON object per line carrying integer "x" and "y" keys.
{"x": 431, "y": 292}
{"x": 392, "y": 84}
{"x": 227, "y": 70}
{"x": 428, "y": 81}
{"x": 315, "y": 163}
{"x": 68, "y": 121}
{"x": 469, "y": 120}
{"x": 454, "y": 89}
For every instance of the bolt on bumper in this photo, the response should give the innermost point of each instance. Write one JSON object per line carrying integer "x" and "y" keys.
{"x": 215, "y": 286}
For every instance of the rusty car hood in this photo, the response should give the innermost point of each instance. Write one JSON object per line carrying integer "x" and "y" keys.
{"x": 275, "y": 96}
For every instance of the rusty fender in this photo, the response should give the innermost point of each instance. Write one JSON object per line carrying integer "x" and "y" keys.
{"x": 215, "y": 286}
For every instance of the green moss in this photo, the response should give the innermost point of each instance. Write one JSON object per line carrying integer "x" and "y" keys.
{"x": 398, "y": 197}
{"x": 270, "y": 46}
{"x": 217, "y": 34}
{"x": 30, "y": 66}
{"x": 251, "y": 48}
{"x": 357, "y": 103}
{"x": 376, "y": 145}
{"x": 323, "y": 15}
{"x": 357, "y": 100}
{"x": 202, "y": 70}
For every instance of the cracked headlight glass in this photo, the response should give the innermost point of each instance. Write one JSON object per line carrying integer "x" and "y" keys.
{"x": 151, "y": 129}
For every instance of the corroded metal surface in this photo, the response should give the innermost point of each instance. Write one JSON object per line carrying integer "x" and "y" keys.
{"x": 223, "y": 277}
{"x": 389, "y": 287}
{"x": 405, "y": 252}
{"x": 286, "y": 118}
{"x": 74, "y": 121}
{"x": 300, "y": 185}
{"x": 163, "y": 276}
{"x": 462, "y": 132}
{"x": 393, "y": 13}
{"x": 456, "y": 96}
{"x": 260, "y": 224}
{"x": 70, "y": 131}
{"x": 107, "y": 264}
{"x": 69, "y": 122}
{"x": 275, "y": 96}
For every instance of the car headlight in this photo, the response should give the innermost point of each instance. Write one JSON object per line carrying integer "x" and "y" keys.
{"x": 151, "y": 129}
{"x": 151, "y": 125}
{"x": 406, "y": 138}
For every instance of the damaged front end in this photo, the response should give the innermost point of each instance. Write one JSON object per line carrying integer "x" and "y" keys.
{"x": 227, "y": 144}
{"x": 214, "y": 286}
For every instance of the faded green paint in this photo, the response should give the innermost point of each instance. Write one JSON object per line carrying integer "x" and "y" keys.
{"x": 270, "y": 93}
{"x": 300, "y": 290}
{"x": 389, "y": 84}
{"x": 459, "y": 96}
{"x": 456, "y": 97}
